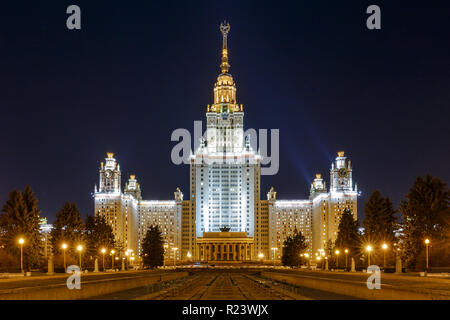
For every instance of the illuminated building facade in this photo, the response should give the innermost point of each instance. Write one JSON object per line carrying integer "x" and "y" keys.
{"x": 224, "y": 218}
{"x": 130, "y": 216}
{"x": 318, "y": 217}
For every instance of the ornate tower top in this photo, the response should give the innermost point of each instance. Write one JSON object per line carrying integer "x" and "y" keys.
{"x": 224, "y": 88}
{"x": 224, "y": 28}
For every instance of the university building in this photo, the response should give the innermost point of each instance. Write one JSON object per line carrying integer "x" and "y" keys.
{"x": 224, "y": 218}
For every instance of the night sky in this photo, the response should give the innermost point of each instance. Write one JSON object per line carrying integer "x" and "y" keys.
{"x": 138, "y": 70}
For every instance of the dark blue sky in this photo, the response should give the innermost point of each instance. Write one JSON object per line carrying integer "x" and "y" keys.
{"x": 138, "y": 70}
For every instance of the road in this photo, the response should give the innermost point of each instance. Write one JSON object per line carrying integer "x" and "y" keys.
{"x": 222, "y": 285}
{"x": 227, "y": 283}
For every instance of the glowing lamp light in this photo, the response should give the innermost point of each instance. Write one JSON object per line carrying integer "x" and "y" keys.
{"x": 427, "y": 241}
{"x": 384, "y": 246}
{"x": 260, "y": 255}
{"x": 21, "y": 241}
{"x": 80, "y": 248}
{"x": 103, "y": 250}
{"x": 64, "y": 246}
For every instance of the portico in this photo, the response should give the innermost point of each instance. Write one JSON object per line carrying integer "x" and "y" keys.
{"x": 224, "y": 246}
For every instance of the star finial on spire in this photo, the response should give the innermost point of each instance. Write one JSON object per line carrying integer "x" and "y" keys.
{"x": 224, "y": 28}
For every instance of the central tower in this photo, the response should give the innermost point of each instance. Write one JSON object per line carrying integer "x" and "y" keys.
{"x": 225, "y": 171}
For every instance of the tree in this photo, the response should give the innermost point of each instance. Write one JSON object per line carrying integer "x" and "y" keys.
{"x": 293, "y": 246}
{"x": 20, "y": 218}
{"x": 348, "y": 236}
{"x": 68, "y": 228}
{"x": 425, "y": 214}
{"x": 152, "y": 248}
{"x": 99, "y": 234}
{"x": 379, "y": 220}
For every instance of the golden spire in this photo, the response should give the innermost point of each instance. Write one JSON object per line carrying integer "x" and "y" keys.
{"x": 224, "y": 28}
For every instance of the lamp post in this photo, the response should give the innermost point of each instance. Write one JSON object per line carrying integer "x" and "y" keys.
{"x": 112, "y": 258}
{"x": 64, "y": 247}
{"x": 384, "y": 247}
{"x": 427, "y": 243}
{"x": 273, "y": 256}
{"x": 189, "y": 255}
{"x": 80, "y": 248}
{"x": 368, "y": 249}
{"x": 21, "y": 242}
{"x": 174, "y": 256}
{"x": 127, "y": 253}
{"x": 337, "y": 258}
{"x": 307, "y": 258}
{"x": 103, "y": 252}
{"x": 322, "y": 255}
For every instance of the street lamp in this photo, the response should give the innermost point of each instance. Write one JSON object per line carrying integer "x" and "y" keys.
{"x": 273, "y": 256}
{"x": 189, "y": 255}
{"x": 369, "y": 249}
{"x": 174, "y": 255}
{"x": 427, "y": 243}
{"x": 346, "y": 253}
{"x": 384, "y": 247}
{"x": 306, "y": 255}
{"x": 337, "y": 258}
{"x": 80, "y": 248}
{"x": 21, "y": 242}
{"x": 127, "y": 253}
{"x": 112, "y": 258}
{"x": 260, "y": 256}
{"x": 103, "y": 252}
{"x": 64, "y": 247}
{"x": 322, "y": 255}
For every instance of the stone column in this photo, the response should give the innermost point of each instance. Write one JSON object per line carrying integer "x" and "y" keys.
{"x": 50, "y": 270}
{"x": 96, "y": 265}
{"x": 239, "y": 252}
{"x": 353, "y": 266}
{"x": 197, "y": 253}
{"x": 204, "y": 251}
{"x": 224, "y": 249}
{"x": 398, "y": 264}
{"x": 210, "y": 252}
{"x": 245, "y": 252}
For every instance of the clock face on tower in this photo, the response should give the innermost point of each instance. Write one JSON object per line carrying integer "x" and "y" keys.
{"x": 108, "y": 174}
{"x": 343, "y": 173}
